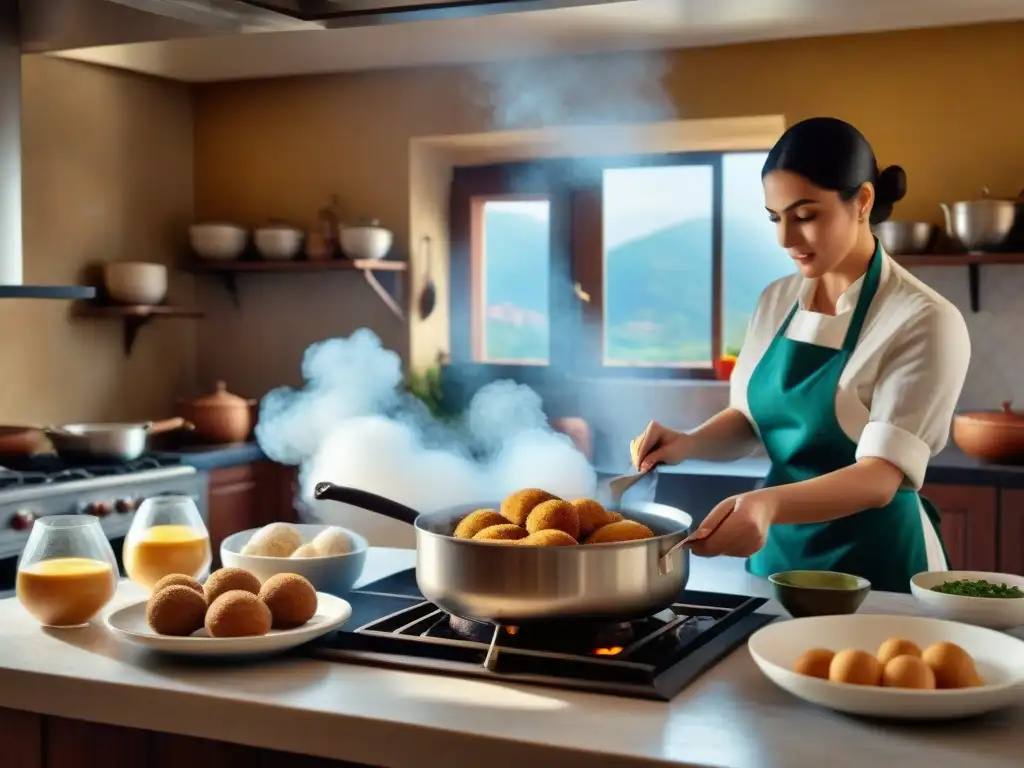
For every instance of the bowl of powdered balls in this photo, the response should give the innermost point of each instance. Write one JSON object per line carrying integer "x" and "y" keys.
{"x": 329, "y": 557}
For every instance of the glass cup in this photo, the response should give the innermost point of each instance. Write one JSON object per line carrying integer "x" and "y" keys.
{"x": 167, "y": 536}
{"x": 67, "y": 572}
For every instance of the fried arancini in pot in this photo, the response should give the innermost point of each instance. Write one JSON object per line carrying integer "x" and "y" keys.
{"x": 624, "y": 530}
{"x": 176, "y": 610}
{"x": 228, "y": 579}
{"x": 503, "y": 532}
{"x": 549, "y": 537}
{"x": 554, "y": 515}
{"x": 475, "y": 522}
{"x": 592, "y": 516}
{"x": 517, "y": 506}
{"x": 291, "y": 599}
{"x": 237, "y": 614}
{"x": 177, "y": 579}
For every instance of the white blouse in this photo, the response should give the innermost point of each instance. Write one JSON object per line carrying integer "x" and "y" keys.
{"x": 899, "y": 388}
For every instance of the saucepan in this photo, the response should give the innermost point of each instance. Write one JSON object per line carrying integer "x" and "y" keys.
{"x": 515, "y": 585}
{"x": 108, "y": 442}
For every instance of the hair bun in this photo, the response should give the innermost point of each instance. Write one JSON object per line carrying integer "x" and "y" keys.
{"x": 891, "y": 186}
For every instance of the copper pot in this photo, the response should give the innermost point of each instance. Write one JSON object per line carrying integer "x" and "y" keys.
{"x": 20, "y": 441}
{"x": 221, "y": 417}
{"x": 993, "y": 436}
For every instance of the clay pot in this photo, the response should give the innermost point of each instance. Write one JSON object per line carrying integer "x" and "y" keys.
{"x": 993, "y": 436}
{"x": 20, "y": 441}
{"x": 578, "y": 431}
{"x": 221, "y": 417}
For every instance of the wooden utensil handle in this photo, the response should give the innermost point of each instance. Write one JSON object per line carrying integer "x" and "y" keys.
{"x": 168, "y": 425}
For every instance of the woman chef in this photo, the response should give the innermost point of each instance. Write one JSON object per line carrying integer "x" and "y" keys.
{"x": 849, "y": 375}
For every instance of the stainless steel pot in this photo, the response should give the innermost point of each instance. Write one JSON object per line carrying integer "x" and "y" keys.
{"x": 905, "y": 237}
{"x": 980, "y": 224}
{"x": 108, "y": 442}
{"x": 517, "y": 585}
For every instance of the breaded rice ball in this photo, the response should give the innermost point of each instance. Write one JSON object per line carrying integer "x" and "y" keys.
{"x": 517, "y": 506}
{"x": 549, "y": 537}
{"x": 554, "y": 515}
{"x": 592, "y": 516}
{"x": 475, "y": 522}
{"x": 503, "y": 532}
{"x": 624, "y": 530}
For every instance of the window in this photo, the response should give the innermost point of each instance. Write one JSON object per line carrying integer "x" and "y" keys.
{"x": 643, "y": 266}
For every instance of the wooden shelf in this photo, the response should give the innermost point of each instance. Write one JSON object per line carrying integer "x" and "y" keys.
{"x": 134, "y": 316}
{"x": 228, "y": 272}
{"x": 973, "y": 262}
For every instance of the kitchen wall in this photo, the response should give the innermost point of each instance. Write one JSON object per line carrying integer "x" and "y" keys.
{"x": 107, "y": 164}
{"x": 938, "y": 102}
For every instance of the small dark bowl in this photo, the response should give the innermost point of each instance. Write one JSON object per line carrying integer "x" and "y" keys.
{"x": 819, "y": 593}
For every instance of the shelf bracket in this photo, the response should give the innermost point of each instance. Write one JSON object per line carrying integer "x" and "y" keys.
{"x": 230, "y": 282}
{"x": 132, "y": 325}
{"x": 381, "y": 291}
{"x": 973, "y": 280}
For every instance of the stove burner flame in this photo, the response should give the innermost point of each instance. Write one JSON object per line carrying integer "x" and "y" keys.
{"x": 613, "y": 651}
{"x": 586, "y": 637}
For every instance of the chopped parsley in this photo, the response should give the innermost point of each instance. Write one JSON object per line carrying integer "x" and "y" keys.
{"x": 979, "y": 588}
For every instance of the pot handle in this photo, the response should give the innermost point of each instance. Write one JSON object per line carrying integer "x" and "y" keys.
{"x": 167, "y": 425}
{"x": 371, "y": 502}
{"x": 665, "y": 563}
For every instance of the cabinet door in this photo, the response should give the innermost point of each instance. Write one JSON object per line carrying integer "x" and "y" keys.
{"x": 968, "y": 524}
{"x": 1011, "y": 533}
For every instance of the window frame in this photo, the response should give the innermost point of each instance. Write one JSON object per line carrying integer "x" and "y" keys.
{"x": 573, "y": 187}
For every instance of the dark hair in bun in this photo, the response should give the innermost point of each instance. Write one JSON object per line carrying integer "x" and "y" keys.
{"x": 834, "y": 155}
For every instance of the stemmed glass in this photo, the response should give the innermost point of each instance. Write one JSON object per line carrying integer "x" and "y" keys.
{"x": 67, "y": 572}
{"x": 167, "y": 536}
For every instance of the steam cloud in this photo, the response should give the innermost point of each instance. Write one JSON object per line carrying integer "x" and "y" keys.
{"x": 353, "y": 424}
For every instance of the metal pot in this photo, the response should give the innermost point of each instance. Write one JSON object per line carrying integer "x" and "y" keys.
{"x": 518, "y": 585}
{"x": 108, "y": 442}
{"x": 900, "y": 238}
{"x": 993, "y": 436}
{"x": 980, "y": 225}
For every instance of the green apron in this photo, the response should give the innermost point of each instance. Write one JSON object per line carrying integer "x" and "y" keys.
{"x": 791, "y": 396}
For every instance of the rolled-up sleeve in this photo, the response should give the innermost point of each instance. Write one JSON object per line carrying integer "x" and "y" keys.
{"x": 915, "y": 395}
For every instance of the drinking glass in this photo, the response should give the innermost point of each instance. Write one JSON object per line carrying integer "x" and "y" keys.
{"x": 67, "y": 572}
{"x": 167, "y": 536}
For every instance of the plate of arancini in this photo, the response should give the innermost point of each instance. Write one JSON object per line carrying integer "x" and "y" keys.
{"x": 129, "y": 623}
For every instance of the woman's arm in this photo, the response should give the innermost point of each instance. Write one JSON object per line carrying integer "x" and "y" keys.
{"x": 868, "y": 484}
{"x": 726, "y": 436}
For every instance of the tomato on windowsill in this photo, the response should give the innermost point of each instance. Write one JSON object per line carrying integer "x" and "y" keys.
{"x": 724, "y": 366}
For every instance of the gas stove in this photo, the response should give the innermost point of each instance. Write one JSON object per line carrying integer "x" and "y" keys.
{"x": 392, "y": 625}
{"x": 46, "y": 485}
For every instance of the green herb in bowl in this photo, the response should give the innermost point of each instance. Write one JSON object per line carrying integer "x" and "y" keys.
{"x": 977, "y": 588}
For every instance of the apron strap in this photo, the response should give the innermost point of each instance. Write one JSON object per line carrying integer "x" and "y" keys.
{"x": 867, "y": 293}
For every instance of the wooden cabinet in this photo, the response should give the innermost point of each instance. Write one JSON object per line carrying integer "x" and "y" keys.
{"x": 1011, "y": 532}
{"x": 969, "y": 514}
{"x": 248, "y": 496}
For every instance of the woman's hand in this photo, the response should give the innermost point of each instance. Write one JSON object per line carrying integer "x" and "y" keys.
{"x": 738, "y": 526}
{"x": 658, "y": 445}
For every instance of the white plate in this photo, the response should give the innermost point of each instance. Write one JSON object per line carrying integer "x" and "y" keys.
{"x": 999, "y": 659}
{"x": 129, "y": 623}
{"x": 992, "y": 612}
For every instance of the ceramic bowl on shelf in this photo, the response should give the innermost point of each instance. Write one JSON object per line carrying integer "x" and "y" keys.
{"x": 333, "y": 574}
{"x": 365, "y": 241}
{"x": 135, "y": 282}
{"x": 278, "y": 242}
{"x": 998, "y": 659}
{"x": 991, "y": 612}
{"x": 218, "y": 241}
{"x": 818, "y": 593}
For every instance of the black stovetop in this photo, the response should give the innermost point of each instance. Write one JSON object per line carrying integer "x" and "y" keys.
{"x": 653, "y": 658}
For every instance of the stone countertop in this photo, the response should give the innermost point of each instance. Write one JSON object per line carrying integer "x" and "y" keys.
{"x": 214, "y": 456}
{"x": 952, "y": 466}
{"x": 731, "y": 717}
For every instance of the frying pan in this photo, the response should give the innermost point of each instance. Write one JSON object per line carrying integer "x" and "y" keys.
{"x": 504, "y": 584}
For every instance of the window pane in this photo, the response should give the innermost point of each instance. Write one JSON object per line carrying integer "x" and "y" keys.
{"x": 512, "y": 316}
{"x": 657, "y": 265}
{"x": 751, "y": 256}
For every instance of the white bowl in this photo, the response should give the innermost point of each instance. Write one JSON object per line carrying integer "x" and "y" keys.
{"x": 366, "y": 242}
{"x": 333, "y": 574}
{"x": 129, "y": 623}
{"x": 278, "y": 243}
{"x": 219, "y": 242}
{"x": 991, "y": 612}
{"x": 999, "y": 659}
{"x": 135, "y": 282}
